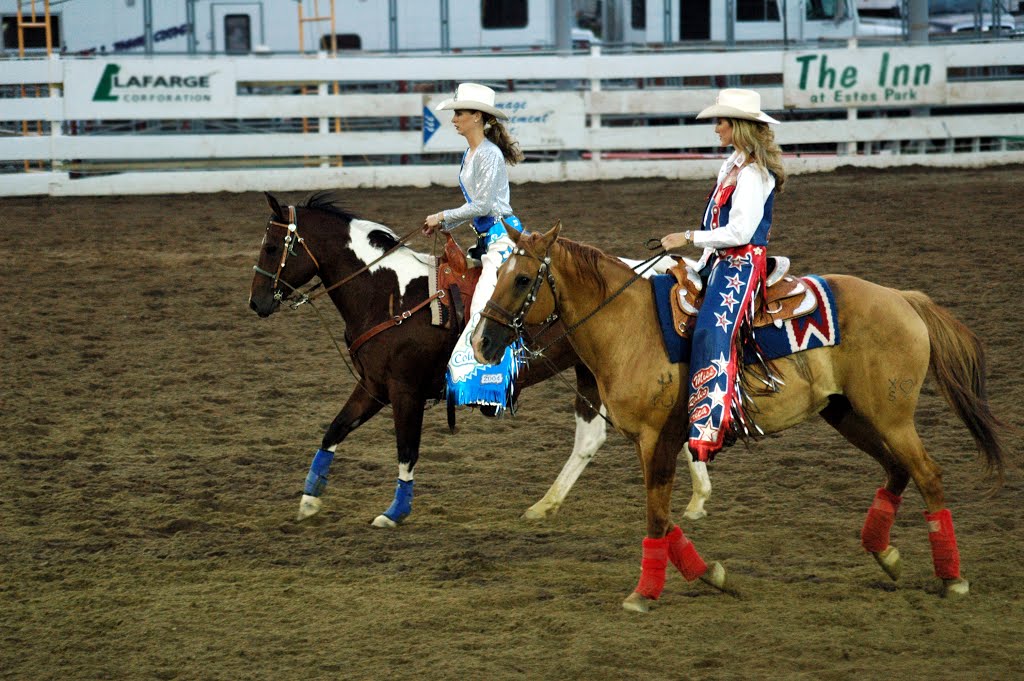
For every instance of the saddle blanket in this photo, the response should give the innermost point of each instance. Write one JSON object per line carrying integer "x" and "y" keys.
{"x": 819, "y": 329}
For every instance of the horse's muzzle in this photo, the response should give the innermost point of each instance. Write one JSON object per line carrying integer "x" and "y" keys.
{"x": 490, "y": 340}
{"x": 261, "y": 308}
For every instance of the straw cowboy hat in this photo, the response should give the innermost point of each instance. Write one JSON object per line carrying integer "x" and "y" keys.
{"x": 736, "y": 103}
{"x": 475, "y": 97}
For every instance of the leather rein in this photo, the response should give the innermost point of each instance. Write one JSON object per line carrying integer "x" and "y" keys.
{"x": 292, "y": 237}
{"x": 516, "y": 320}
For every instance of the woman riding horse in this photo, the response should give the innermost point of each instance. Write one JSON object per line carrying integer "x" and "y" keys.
{"x": 734, "y": 233}
{"x": 484, "y": 183}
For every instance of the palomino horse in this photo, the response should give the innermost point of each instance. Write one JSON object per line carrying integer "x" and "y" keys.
{"x": 403, "y": 366}
{"x": 887, "y": 336}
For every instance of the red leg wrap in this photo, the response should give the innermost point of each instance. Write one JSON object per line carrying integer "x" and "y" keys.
{"x": 945, "y": 555}
{"x": 652, "y": 567}
{"x": 684, "y": 555}
{"x": 882, "y": 514}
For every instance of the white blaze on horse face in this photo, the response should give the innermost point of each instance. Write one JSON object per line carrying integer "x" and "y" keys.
{"x": 403, "y": 262}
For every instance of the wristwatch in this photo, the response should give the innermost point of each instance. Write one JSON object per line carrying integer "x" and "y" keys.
{"x": 688, "y": 235}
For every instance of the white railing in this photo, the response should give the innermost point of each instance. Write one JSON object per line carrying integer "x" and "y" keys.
{"x": 606, "y": 88}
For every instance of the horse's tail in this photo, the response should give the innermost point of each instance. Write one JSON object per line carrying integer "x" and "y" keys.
{"x": 958, "y": 363}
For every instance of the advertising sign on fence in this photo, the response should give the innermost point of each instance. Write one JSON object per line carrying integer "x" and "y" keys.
{"x": 147, "y": 88}
{"x": 539, "y": 120}
{"x": 868, "y": 77}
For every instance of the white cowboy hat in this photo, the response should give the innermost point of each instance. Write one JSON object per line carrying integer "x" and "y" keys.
{"x": 475, "y": 97}
{"x": 736, "y": 103}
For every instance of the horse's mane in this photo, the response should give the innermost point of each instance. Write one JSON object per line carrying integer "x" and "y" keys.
{"x": 329, "y": 201}
{"x": 587, "y": 260}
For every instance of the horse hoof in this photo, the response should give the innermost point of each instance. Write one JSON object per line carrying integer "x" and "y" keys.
{"x": 538, "y": 512}
{"x": 636, "y": 602}
{"x": 384, "y": 522}
{"x": 695, "y": 515}
{"x": 889, "y": 560}
{"x": 309, "y": 506}
{"x": 715, "y": 576}
{"x": 956, "y": 588}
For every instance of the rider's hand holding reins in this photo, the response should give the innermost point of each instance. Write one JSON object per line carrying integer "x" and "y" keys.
{"x": 676, "y": 239}
{"x": 432, "y": 222}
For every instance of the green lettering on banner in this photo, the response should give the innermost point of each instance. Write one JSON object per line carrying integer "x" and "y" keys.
{"x": 805, "y": 68}
{"x": 106, "y": 84}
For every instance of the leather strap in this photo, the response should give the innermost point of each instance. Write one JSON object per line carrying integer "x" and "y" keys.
{"x": 394, "y": 321}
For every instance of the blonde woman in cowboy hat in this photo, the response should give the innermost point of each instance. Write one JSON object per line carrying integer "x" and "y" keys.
{"x": 734, "y": 234}
{"x": 484, "y": 182}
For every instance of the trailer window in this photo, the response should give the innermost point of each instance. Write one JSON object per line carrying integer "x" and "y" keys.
{"x": 757, "y": 10}
{"x": 35, "y": 37}
{"x": 345, "y": 41}
{"x": 638, "y": 14}
{"x": 503, "y": 14}
{"x": 826, "y": 9}
{"x": 237, "y": 34}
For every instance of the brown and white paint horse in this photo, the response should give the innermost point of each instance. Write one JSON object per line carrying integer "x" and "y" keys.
{"x": 404, "y": 366}
{"x": 887, "y": 335}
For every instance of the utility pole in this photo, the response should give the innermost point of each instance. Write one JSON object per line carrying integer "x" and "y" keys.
{"x": 445, "y": 27}
{"x": 147, "y": 29}
{"x": 563, "y": 27}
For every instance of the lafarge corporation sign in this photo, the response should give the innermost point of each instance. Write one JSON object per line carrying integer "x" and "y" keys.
{"x": 165, "y": 88}
{"x": 872, "y": 77}
{"x": 147, "y": 88}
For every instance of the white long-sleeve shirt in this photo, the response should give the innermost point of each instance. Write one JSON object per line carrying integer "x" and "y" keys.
{"x": 753, "y": 187}
{"x": 485, "y": 179}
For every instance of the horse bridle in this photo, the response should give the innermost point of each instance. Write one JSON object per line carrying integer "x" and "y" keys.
{"x": 516, "y": 320}
{"x": 291, "y": 237}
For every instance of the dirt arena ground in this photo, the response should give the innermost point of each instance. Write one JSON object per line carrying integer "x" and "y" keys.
{"x": 156, "y": 435}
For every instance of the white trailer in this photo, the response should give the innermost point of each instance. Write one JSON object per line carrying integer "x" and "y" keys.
{"x": 740, "y": 21}
{"x": 105, "y": 27}
{"x": 260, "y": 26}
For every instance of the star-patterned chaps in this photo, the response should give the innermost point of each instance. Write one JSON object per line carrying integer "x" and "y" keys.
{"x": 737, "y": 275}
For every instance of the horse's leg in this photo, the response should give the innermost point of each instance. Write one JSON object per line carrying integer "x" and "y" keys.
{"x": 701, "y": 482}
{"x": 895, "y": 426}
{"x": 906, "y": 445}
{"x": 358, "y": 409}
{"x": 590, "y": 435}
{"x": 665, "y": 541}
{"x": 591, "y": 430}
{"x": 882, "y": 513}
{"x": 408, "y": 416}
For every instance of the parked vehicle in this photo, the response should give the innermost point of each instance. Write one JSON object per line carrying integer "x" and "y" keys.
{"x": 272, "y": 26}
{"x": 947, "y": 16}
{"x": 88, "y": 27}
{"x": 657, "y": 21}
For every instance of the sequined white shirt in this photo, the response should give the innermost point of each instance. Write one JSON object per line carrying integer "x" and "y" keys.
{"x": 485, "y": 178}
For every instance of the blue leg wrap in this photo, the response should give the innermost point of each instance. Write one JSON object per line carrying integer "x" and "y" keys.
{"x": 401, "y": 507}
{"x": 316, "y": 479}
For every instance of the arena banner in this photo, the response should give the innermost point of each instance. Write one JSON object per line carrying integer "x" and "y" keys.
{"x": 148, "y": 88}
{"x": 864, "y": 77}
{"x": 539, "y": 120}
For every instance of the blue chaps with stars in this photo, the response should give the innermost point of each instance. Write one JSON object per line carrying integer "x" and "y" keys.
{"x": 736, "y": 276}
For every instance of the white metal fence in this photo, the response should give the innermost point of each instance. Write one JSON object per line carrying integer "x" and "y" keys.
{"x": 613, "y": 116}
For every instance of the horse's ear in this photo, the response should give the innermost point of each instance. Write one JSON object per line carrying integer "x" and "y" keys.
{"x": 552, "y": 234}
{"x": 513, "y": 233}
{"x": 274, "y": 205}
